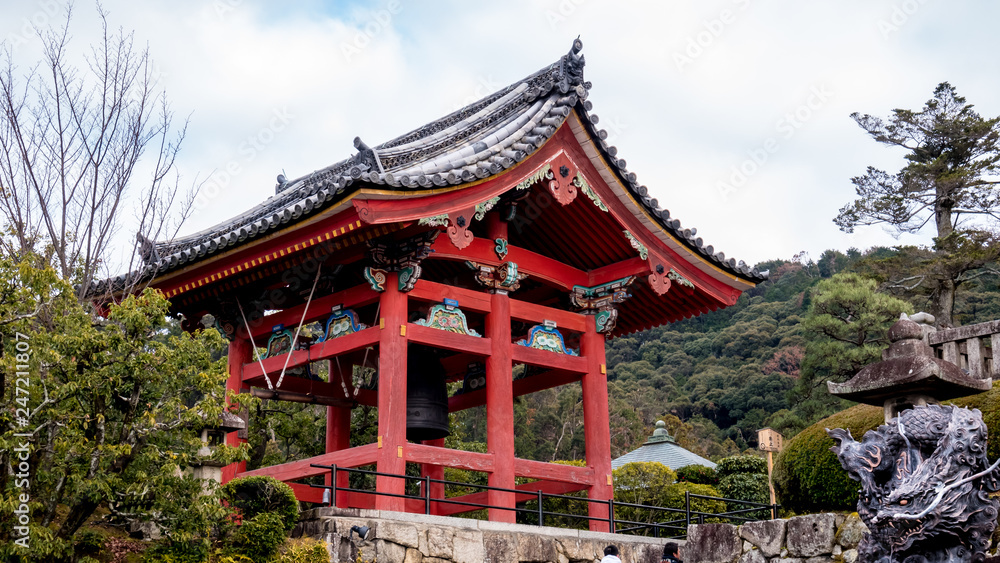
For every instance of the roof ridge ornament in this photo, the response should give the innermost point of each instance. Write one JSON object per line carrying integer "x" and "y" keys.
{"x": 571, "y": 67}
{"x": 366, "y": 156}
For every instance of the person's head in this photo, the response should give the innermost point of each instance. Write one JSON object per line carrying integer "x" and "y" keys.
{"x": 670, "y": 549}
{"x": 611, "y": 550}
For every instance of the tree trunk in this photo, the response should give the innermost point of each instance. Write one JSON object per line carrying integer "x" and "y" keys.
{"x": 943, "y": 300}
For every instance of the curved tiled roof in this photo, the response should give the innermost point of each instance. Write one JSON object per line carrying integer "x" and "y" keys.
{"x": 661, "y": 448}
{"x": 475, "y": 142}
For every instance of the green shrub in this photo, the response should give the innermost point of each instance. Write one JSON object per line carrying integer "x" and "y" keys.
{"x": 698, "y": 474}
{"x": 260, "y": 537}
{"x": 256, "y": 495}
{"x": 746, "y": 464}
{"x": 89, "y": 543}
{"x": 808, "y": 477}
{"x": 177, "y": 551}
{"x": 305, "y": 550}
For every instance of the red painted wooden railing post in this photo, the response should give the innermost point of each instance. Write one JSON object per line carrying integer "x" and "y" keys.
{"x": 240, "y": 352}
{"x": 596, "y": 424}
{"x": 392, "y": 396}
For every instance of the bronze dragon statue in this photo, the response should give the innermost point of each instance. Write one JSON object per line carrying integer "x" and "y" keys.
{"x": 925, "y": 486}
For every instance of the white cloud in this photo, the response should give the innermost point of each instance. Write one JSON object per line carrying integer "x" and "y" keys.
{"x": 682, "y": 130}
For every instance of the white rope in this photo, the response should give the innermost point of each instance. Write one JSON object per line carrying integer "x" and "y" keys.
{"x": 295, "y": 338}
{"x": 249, "y": 332}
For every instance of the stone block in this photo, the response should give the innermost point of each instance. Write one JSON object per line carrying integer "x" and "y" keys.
{"x": 467, "y": 547}
{"x": 811, "y": 535}
{"x": 413, "y": 556}
{"x": 436, "y": 542}
{"x": 499, "y": 547}
{"x": 850, "y": 555}
{"x": 389, "y": 551}
{"x": 536, "y": 549}
{"x": 712, "y": 543}
{"x": 820, "y": 559}
{"x": 849, "y": 533}
{"x": 753, "y": 556}
{"x": 767, "y": 535}
{"x": 580, "y": 549}
{"x": 641, "y": 553}
{"x": 396, "y": 532}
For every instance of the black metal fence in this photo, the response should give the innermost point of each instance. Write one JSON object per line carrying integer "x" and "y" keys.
{"x": 660, "y": 521}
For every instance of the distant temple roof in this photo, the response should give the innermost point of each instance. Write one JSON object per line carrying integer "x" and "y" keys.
{"x": 476, "y": 142}
{"x": 662, "y": 448}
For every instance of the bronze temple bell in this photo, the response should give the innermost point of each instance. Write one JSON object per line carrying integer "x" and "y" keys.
{"x": 426, "y": 395}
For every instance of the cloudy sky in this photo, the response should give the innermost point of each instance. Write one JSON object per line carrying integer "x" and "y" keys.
{"x": 735, "y": 113}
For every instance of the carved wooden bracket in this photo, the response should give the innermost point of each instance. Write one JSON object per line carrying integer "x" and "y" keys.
{"x": 560, "y": 179}
{"x": 499, "y": 279}
{"x": 602, "y": 301}
{"x": 458, "y": 227}
{"x": 402, "y": 256}
{"x": 659, "y": 280}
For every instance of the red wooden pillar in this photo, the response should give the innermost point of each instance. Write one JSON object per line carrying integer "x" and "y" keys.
{"x": 392, "y": 395}
{"x": 434, "y": 472}
{"x": 338, "y": 435}
{"x": 240, "y": 352}
{"x": 596, "y": 424}
{"x": 500, "y": 396}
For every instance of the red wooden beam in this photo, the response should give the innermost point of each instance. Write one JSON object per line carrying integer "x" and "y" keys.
{"x": 295, "y": 470}
{"x": 552, "y": 360}
{"x": 522, "y": 310}
{"x": 319, "y": 310}
{"x": 468, "y": 300}
{"x": 321, "y": 351}
{"x": 632, "y": 267}
{"x": 538, "y": 266}
{"x": 305, "y": 493}
{"x": 553, "y": 472}
{"x": 438, "y": 338}
{"x": 433, "y": 455}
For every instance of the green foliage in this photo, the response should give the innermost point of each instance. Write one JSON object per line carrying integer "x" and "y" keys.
{"x": 847, "y": 324}
{"x": 698, "y": 474}
{"x": 952, "y": 155}
{"x": 117, "y": 404}
{"x": 260, "y": 537}
{"x": 303, "y": 550}
{"x": 741, "y": 464}
{"x": 808, "y": 477}
{"x": 192, "y": 551}
{"x": 256, "y": 495}
{"x": 654, "y": 484}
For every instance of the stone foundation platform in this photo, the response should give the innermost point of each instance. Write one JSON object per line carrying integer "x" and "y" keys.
{"x": 398, "y": 537}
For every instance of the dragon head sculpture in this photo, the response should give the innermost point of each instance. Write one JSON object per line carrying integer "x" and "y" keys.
{"x": 925, "y": 484}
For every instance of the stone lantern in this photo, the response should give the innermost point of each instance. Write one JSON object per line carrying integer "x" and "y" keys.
{"x": 908, "y": 375}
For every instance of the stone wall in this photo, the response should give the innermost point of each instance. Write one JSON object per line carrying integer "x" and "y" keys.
{"x": 816, "y": 538}
{"x": 416, "y": 538}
